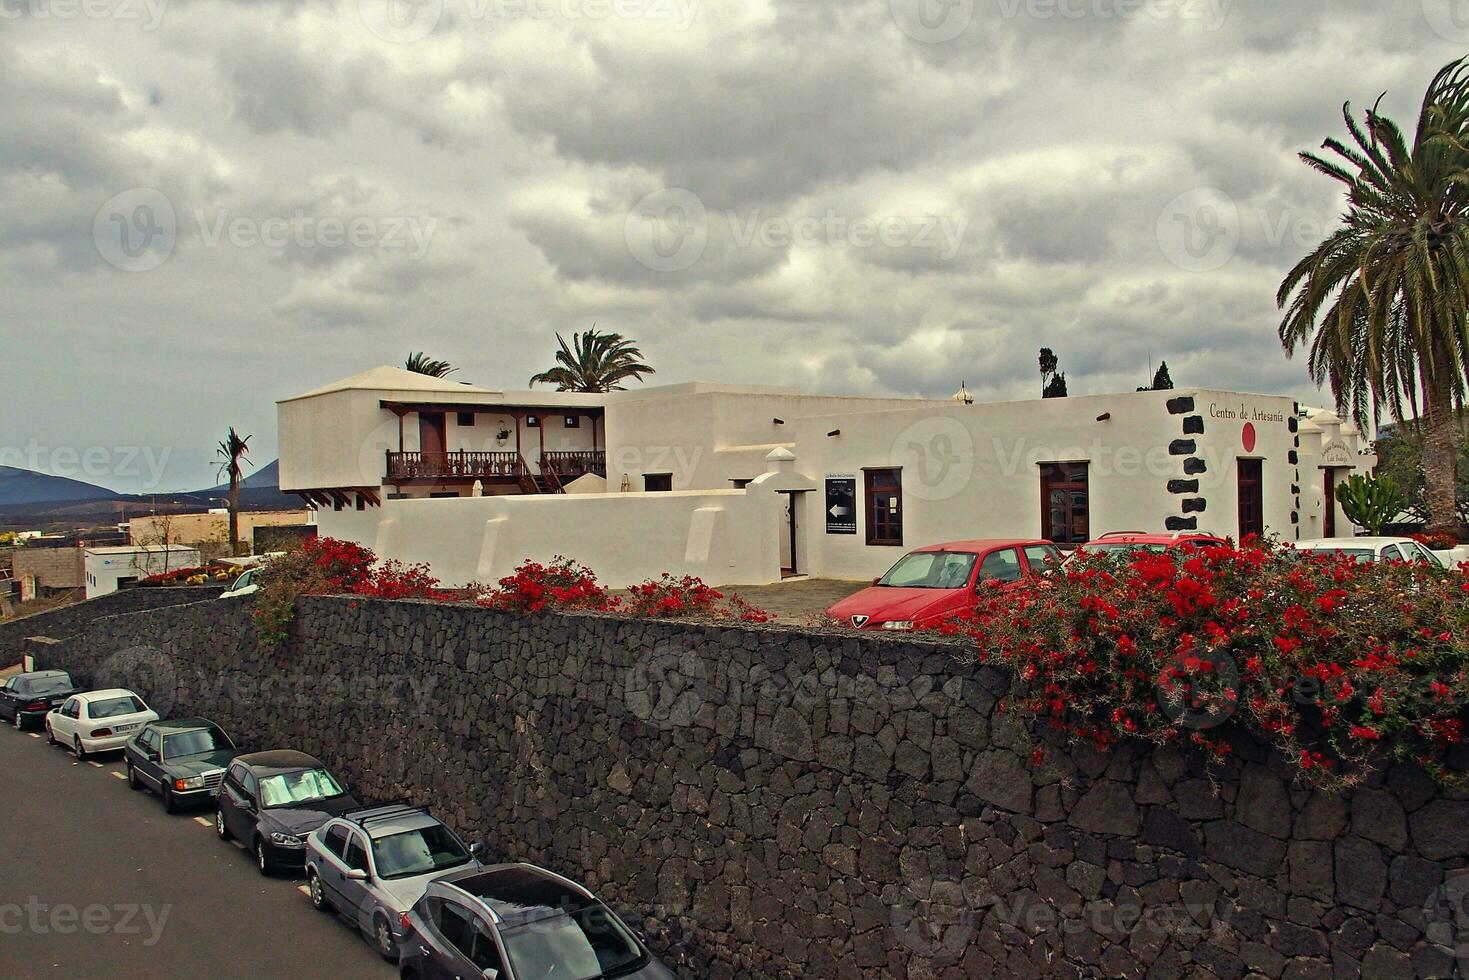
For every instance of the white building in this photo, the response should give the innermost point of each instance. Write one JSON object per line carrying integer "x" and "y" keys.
{"x": 108, "y": 569}
{"x": 742, "y": 484}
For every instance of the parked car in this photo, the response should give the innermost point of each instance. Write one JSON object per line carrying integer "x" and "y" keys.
{"x": 932, "y": 584}
{"x": 1114, "y": 542}
{"x": 27, "y": 698}
{"x": 98, "y": 721}
{"x": 1372, "y": 549}
{"x": 245, "y": 585}
{"x": 272, "y": 801}
{"x": 182, "y": 760}
{"x": 519, "y": 922}
{"x": 372, "y": 864}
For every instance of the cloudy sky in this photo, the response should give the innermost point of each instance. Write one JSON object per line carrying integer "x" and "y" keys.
{"x": 206, "y": 205}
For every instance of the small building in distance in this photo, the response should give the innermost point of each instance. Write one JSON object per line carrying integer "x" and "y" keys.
{"x": 45, "y": 571}
{"x": 108, "y": 569}
{"x": 210, "y": 527}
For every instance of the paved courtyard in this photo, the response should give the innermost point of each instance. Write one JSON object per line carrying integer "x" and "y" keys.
{"x": 798, "y": 600}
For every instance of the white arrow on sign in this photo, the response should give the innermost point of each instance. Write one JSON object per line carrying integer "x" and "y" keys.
{"x": 838, "y": 510}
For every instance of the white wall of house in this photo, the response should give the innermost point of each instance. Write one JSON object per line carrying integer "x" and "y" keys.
{"x": 967, "y": 471}
{"x": 722, "y": 536}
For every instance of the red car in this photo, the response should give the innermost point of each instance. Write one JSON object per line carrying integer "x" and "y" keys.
{"x": 931, "y": 584}
{"x": 1115, "y": 541}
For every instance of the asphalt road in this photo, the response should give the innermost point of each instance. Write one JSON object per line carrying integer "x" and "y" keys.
{"x": 96, "y": 880}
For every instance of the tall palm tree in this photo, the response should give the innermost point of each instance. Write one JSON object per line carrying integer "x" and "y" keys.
{"x": 233, "y": 448}
{"x": 1382, "y": 302}
{"x": 595, "y": 362}
{"x": 420, "y": 363}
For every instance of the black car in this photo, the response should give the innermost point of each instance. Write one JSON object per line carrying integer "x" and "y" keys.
{"x": 182, "y": 760}
{"x": 26, "y": 698}
{"x": 272, "y": 800}
{"x": 518, "y": 922}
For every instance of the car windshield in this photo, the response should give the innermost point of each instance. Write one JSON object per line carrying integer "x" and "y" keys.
{"x": 1355, "y": 554}
{"x": 116, "y": 707}
{"x": 1113, "y": 547}
{"x": 45, "y": 685}
{"x": 417, "y": 852}
{"x": 293, "y": 788}
{"x": 577, "y": 944}
{"x": 195, "y": 743}
{"x": 931, "y": 570}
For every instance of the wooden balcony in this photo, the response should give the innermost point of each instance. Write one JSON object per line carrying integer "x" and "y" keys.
{"x": 556, "y": 467}
{"x": 570, "y": 465}
{"x": 455, "y": 466}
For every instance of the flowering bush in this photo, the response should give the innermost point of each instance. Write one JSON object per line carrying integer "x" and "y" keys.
{"x": 1437, "y": 542}
{"x": 327, "y": 566}
{"x": 687, "y": 597}
{"x": 193, "y": 575}
{"x": 563, "y": 584}
{"x": 1340, "y": 665}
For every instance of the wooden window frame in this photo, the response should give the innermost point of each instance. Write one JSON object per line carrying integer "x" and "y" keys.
{"x": 459, "y": 420}
{"x": 870, "y": 493}
{"x": 1050, "y": 485}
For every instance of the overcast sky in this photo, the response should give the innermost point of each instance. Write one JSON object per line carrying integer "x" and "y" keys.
{"x": 206, "y": 206}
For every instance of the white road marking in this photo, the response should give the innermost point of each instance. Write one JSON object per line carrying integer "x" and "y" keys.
{"x": 304, "y": 890}
{"x": 33, "y": 735}
{"x": 118, "y": 774}
{"x": 91, "y": 763}
{"x": 201, "y": 821}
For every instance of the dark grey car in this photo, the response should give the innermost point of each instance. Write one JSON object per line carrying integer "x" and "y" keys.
{"x": 519, "y": 922}
{"x": 26, "y": 698}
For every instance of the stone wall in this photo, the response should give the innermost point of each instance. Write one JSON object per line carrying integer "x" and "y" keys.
{"x": 773, "y": 803}
{"x": 65, "y": 620}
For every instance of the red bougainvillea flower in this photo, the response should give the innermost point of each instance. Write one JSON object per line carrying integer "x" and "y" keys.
{"x": 1342, "y": 666}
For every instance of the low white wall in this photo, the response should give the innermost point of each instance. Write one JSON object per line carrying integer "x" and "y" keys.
{"x": 724, "y": 537}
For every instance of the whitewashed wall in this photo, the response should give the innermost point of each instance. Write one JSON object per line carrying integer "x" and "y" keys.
{"x": 723, "y": 536}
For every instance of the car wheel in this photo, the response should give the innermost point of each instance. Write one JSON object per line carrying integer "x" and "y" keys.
{"x": 78, "y": 748}
{"x": 220, "y": 830}
{"x": 263, "y": 863}
{"x": 134, "y": 782}
{"x": 169, "y": 804}
{"x": 50, "y": 735}
{"x": 20, "y": 724}
{"x": 382, "y": 938}
{"x": 318, "y": 895}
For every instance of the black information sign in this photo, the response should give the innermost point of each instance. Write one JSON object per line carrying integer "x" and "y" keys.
{"x": 841, "y": 505}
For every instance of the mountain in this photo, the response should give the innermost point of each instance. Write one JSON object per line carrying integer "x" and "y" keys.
{"x": 21, "y": 487}
{"x": 260, "y": 490}
{"x": 268, "y": 477}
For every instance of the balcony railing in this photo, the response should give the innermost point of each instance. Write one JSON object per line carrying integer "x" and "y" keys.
{"x": 570, "y": 465}
{"x": 466, "y": 465}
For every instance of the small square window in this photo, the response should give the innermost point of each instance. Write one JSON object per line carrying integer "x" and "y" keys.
{"x": 533, "y": 421}
{"x": 658, "y": 482}
{"x": 573, "y": 421}
{"x": 465, "y": 419}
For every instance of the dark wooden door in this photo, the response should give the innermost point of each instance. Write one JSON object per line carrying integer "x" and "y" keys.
{"x": 432, "y": 437}
{"x": 1251, "y": 498}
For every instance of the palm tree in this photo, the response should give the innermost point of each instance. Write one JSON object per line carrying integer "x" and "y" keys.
{"x": 1382, "y": 301}
{"x": 420, "y": 363}
{"x": 233, "y": 448}
{"x": 594, "y": 362}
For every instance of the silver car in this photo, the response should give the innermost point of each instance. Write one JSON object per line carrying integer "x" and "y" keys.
{"x": 370, "y": 865}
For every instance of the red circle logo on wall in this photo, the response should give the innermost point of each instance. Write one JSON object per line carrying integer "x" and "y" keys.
{"x": 1248, "y": 436}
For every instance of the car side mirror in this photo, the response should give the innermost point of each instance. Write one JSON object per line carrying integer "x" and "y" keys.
{"x": 877, "y": 580}
{"x": 491, "y": 973}
{"x": 154, "y": 756}
{"x": 356, "y": 874}
{"x": 477, "y": 850}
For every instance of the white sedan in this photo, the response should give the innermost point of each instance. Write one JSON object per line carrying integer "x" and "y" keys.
{"x": 1372, "y": 549}
{"x": 98, "y": 721}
